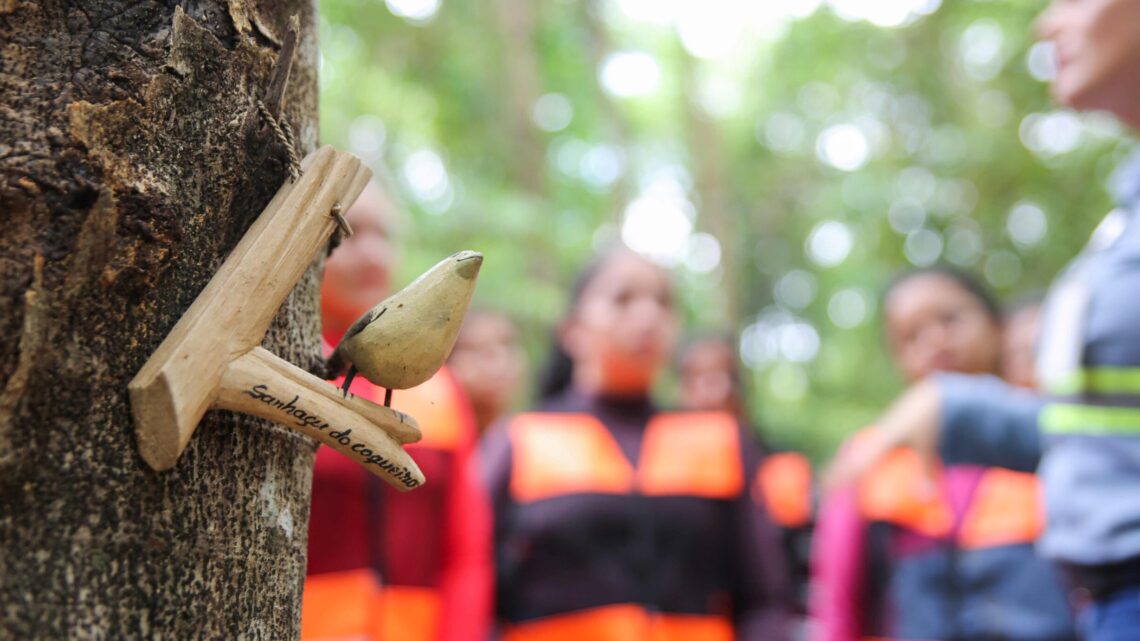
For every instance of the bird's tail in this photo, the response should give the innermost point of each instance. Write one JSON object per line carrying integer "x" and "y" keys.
{"x": 337, "y": 363}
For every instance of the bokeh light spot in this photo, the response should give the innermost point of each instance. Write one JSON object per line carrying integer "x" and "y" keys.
{"x": 1027, "y": 224}
{"x": 847, "y": 308}
{"x": 796, "y": 289}
{"x": 414, "y": 11}
{"x": 829, "y": 243}
{"x": 628, "y": 74}
{"x": 552, "y": 112}
{"x": 844, "y": 147}
{"x": 923, "y": 247}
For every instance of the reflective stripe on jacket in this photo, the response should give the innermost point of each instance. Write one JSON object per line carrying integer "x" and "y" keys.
{"x": 1089, "y": 441}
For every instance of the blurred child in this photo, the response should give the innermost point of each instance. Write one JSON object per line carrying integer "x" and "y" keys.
{"x": 709, "y": 381}
{"x": 385, "y": 565}
{"x": 615, "y": 520}
{"x": 901, "y": 556}
{"x": 489, "y": 363}
{"x": 709, "y": 376}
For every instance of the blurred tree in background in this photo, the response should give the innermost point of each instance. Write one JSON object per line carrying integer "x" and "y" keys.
{"x": 785, "y": 157}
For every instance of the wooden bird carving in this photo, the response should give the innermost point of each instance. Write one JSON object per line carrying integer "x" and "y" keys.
{"x": 404, "y": 340}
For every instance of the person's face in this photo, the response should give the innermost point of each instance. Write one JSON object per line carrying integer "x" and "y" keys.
{"x": 708, "y": 377}
{"x": 357, "y": 273}
{"x": 1017, "y": 357}
{"x": 625, "y": 325}
{"x": 935, "y": 324}
{"x": 1097, "y": 44}
{"x": 488, "y": 360}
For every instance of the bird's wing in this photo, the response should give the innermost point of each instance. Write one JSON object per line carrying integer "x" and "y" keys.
{"x": 362, "y": 322}
{"x": 338, "y": 362}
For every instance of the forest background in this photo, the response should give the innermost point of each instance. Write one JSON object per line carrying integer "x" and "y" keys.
{"x": 785, "y": 157}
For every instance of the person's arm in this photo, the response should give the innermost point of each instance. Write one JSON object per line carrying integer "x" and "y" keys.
{"x": 836, "y": 597}
{"x": 957, "y": 418}
{"x": 763, "y": 587}
{"x": 466, "y": 581}
{"x": 986, "y": 421}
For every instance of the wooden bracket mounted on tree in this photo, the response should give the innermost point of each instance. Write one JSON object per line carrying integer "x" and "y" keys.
{"x": 212, "y": 359}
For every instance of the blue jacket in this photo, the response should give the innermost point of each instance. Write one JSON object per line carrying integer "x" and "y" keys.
{"x": 1083, "y": 435}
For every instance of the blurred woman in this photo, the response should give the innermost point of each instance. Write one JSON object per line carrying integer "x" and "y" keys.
{"x": 1088, "y": 360}
{"x": 488, "y": 362}
{"x": 615, "y": 520}
{"x": 900, "y": 557}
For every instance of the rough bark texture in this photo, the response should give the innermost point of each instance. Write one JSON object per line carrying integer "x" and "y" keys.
{"x": 127, "y": 172}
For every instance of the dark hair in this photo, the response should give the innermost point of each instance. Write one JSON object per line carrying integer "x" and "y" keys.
{"x": 965, "y": 280}
{"x": 558, "y": 373}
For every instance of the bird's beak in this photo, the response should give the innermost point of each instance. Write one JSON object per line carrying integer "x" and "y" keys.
{"x": 469, "y": 263}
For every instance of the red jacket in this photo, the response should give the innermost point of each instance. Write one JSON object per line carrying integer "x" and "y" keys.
{"x": 413, "y": 566}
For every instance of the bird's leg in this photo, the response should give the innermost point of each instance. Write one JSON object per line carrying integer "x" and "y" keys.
{"x": 388, "y": 397}
{"x": 348, "y": 379}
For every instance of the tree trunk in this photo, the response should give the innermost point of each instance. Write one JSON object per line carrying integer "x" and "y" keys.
{"x": 131, "y": 161}
{"x": 717, "y": 209}
{"x": 599, "y": 44}
{"x": 514, "y": 20}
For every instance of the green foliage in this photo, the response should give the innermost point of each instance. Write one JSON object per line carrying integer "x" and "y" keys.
{"x": 944, "y": 125}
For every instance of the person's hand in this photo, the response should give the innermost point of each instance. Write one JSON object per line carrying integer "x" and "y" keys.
{"x": 913, "y": 421}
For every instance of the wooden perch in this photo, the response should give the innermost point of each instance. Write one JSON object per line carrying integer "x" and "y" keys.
{"x": 211, "y": 358}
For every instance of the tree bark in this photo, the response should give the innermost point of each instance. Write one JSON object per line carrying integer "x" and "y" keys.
{"x": 514, "y": 20}
{"x": 713, "y": 185}
{"x": 599, "y": 44}
{"x": 131, "y": 161}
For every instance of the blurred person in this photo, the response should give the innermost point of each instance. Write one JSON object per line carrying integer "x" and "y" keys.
{"x": 950, "y": 557}
{"x": 1085, "y": 432}
{"x": 708, "y": 376}
{"x": 488, "y": 361}
{"x": 385, "y": 565}
{"x": 709, "y": 380}
{"x": 1018, "y": 339}
{"x": 615, "y": 520}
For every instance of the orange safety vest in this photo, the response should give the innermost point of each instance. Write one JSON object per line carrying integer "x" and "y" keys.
{"x": 1005, "y": 508}
{"x": 682, "y": 454}
{"x": 623, "y": 622}
{"x": 978, "y": 561}
{"x": 783, "y": 487}
{"x": 354, "y": 604}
